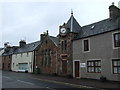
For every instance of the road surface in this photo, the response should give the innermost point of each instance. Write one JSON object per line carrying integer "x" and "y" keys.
{"x": 25, "y": 80}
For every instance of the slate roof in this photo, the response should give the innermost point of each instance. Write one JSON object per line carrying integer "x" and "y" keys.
{"x": 1, "y": 52}
{"x": 75, "y": 25}
{"x": 1, "y": 49}
{"x": 27, "y": 48}
{"x": 9, "y": 51}
{"x": 55, "y": 40}
{"x": 100, "y": 27}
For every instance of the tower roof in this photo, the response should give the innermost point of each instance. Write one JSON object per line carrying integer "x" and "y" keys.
{"x": 73, "y": 25}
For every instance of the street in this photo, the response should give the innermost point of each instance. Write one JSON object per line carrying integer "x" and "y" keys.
{"x": 26, "y": 80}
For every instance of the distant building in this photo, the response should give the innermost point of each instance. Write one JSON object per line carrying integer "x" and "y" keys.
{"x": 23, "y": 58}
{"x": 46, "y": 55}
{"x": 7, "y": 57}
{"x": 1, "y": 52}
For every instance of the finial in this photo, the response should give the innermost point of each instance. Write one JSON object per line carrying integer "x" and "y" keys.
{"x": 71, "y": 12}
{"x": 47, "y": 32}
{"x": 113, "y": 3}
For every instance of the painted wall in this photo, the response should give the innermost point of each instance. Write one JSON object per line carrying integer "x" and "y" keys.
{"x": 101, "y": 48}
{"x": 18, "y": 58}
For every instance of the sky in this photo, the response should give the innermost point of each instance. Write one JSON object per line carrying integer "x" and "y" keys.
{"x": 26, "y": 20}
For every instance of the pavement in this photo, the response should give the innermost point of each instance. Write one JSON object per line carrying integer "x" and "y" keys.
{"x": 79, "y": 83}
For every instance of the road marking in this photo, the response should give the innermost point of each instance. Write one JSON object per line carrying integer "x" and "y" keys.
{"x": 7, "y": 77}
{"x": 50, "y": 88}
{"x": 25, "y": 82}
{"x": 63, "y": 83}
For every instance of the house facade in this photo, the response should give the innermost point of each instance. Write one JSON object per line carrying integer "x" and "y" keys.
{"x": 46, "y": 55}
{"x": 7, "y": 56}
{"x": 23, "y": 58}
{"x": 96, "y": 49}
{"x": 1, "y": 52}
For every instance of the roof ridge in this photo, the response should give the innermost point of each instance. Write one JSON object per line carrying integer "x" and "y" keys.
{"x": 33, "y": 42}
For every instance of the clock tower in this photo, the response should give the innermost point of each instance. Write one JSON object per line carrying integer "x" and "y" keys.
{"x": 67, "y": 32}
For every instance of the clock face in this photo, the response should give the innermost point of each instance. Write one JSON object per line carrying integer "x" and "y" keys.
{"x": 63, "y": 30}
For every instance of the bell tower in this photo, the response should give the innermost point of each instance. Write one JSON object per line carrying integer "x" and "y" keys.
{"x": 67, "y": 31}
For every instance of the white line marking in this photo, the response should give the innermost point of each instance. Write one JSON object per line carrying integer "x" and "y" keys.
{"x": 50, "y": 88}
{"x": 25, "y": 82}
{"x": 7, "y": 77}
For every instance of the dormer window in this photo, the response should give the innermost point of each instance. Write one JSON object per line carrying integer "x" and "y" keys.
{"x": 93, "y": 27}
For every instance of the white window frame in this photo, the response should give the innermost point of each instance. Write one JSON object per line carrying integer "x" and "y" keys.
{"x": 83, "y": 45}
{"x": 113, "y": 40}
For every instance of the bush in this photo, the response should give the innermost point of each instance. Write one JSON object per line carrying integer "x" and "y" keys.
{"x": 103, "y": 78}
{"x": 54, "y": 74}
{"x": 69, "y": 76}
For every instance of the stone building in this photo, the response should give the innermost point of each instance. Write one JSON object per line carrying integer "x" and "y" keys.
{"x": 46, "y": 55}
{"x": 67, "y": 32}
{"x": 7, "y": 57}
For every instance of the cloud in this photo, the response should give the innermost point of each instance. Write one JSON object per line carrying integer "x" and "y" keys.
{"x": 29, "y": 19}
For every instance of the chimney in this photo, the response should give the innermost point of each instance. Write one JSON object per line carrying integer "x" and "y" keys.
{"x": 22, "y": 43}
{"x": 6, "y": 45}
{"x": 42, "y": 36}
{"x": 114, "y": 12}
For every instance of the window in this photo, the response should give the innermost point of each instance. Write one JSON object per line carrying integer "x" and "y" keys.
{"x": 16, "y": 55}
{"x": 3, "y": 66}
{"x": 27, "y": 54}
{"x": 49, "y": 57}
{"x": 94, "y": 66}
{"x": 116, "y": 66}
{"x": 86, "y": 45}
{"x": 46, "y": 42}
{"x": 64, "y": 45}
{"x": 45, "y": 60}
{"x": 42, "y": 54}
{"x": 13, "y": 65}
{"x": 117, "y": 39}
{"x": 9, "y": 56}
{"x": 21, "y": 54}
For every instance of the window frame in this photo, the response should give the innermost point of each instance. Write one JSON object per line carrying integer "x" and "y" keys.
{"x": 83, "y": 45}
{"x": 113, "y": 39}
{"x": 115, "y": 43}
{"x": 115, "y": 66}
{"x": 63, "y": 45}
{"x": 94, "y": 66}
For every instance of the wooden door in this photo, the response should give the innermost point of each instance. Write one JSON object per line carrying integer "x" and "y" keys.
{"x": 77, "y": 74}
{"x": 64, "y": 67}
